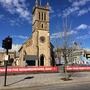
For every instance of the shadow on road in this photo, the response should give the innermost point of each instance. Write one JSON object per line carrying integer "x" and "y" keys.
{"x": 20, "y": 80}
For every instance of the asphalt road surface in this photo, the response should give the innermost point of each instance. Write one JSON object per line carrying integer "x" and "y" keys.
{"x": 44, "y": 82}
{"x": 73, "y": 86}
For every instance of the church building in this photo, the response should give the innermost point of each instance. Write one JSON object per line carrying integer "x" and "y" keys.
{"x": 36, "y": 51}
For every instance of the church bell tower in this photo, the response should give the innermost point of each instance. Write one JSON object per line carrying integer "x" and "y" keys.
{"x": 40, "y": 33}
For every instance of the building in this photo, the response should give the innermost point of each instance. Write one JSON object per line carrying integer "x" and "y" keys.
{"x": 72, "y": 54}
{"x": 12, "y": 58}
{"x": 36, "y": 51}
{"x": 78, "y": 55}
{"x": 87, "y": 54}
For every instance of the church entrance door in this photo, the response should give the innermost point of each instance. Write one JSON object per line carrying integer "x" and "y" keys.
{"x": 42, "y": 60}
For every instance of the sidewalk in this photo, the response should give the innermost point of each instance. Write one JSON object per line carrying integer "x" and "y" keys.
{"x": 32, "y": 80}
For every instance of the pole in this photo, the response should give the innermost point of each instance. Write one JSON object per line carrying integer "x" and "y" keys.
{"x": 6, "y": 62}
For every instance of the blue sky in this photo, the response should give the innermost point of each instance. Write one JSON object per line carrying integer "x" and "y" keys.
{"x": 16, "y": 20}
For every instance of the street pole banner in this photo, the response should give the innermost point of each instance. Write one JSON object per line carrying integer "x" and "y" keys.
{"x": 6, "y": 57}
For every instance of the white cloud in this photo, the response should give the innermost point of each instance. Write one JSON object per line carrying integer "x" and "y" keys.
{"x": 77, "y": 8}
{"x": 14, "y": 22}
{"x": 62, "y": 34}
{"x": 20, "y": 36}
{"x": 69, "y": 11}
{"x": 87, "y": 49}
{"x": 56, "y": 35}
{"x": 80, "y": 3}
{"x": 89, "y": 33}
{"x": 51, "y": 10}
{"x": 72, "y": 32}
{"x": 15, "y": 47}
{"x": 89, "y": 9}
{"x": 82, "y": 26}
{"x": 1, "y": 49}
{"x": 70, "y": 0}
{"x": 83, "y": 11}
{"x": 83, "y": 37}
{"x": 1, "y": 16}
{"x": 17, "y": 7}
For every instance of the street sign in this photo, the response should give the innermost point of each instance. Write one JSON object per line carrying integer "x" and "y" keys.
{"x": 6, "y": 57}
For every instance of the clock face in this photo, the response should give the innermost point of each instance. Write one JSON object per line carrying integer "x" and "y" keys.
{"x": 42, "y": 39}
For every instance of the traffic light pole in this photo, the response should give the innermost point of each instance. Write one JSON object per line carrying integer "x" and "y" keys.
{"x": 6, "y": 62}
{"x": 6, "y": 44}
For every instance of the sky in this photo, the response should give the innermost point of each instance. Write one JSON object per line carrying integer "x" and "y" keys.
{"x": 16, "y": 21}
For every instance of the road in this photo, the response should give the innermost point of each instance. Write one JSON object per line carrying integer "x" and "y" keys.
{"x": 79, "y": 80}
{"x": 73, "y": 86}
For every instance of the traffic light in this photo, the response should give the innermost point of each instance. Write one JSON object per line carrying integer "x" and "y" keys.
{"x": 7, "y": 43}
{"x": 3, "y": 44}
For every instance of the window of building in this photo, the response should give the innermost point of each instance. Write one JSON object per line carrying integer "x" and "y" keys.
{"x": 42, "y": 39}
{"x": 0, "y": 62}
{"x": 39, "y": 15}
{"x": 42, "y": 25}
{"x": 44, "y": 16}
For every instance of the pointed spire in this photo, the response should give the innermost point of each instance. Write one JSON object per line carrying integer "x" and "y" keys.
{"x": 37, "y": 3}
{"x": 47, "y": 6}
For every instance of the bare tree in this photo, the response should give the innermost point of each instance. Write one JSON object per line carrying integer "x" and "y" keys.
{"x": 66, "y": 51}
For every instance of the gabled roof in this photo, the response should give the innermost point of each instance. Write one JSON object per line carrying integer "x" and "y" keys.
{"x": 25, "y": 43}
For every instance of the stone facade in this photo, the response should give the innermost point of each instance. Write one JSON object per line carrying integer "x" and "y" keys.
{"x": 36, "y": 49}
